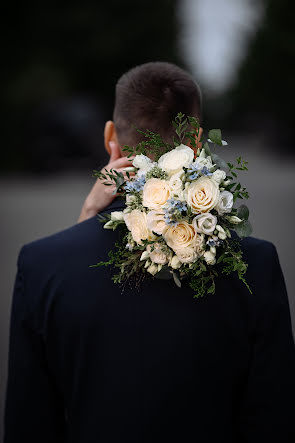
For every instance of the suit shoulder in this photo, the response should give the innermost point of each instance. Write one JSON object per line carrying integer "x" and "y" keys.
{"x": 256, "y": 248}
{"x": 60, "y": 246}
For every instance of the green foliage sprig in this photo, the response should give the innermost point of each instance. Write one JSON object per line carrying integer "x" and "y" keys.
{"x": 112, "y": 177}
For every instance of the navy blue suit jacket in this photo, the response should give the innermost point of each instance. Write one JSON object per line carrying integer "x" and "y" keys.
{"x": 90, "y": 364}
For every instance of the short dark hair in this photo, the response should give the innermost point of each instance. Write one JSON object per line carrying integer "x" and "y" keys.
{"x": 149, "y": 96}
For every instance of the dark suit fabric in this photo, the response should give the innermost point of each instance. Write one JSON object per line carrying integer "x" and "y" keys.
{"x": 89, "y": 363}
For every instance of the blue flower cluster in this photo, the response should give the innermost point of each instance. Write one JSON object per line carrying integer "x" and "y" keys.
{"x": 171, "y": 214}
{"x": 195, "y": 170}
{"x": 177, "y": 204}
{"x": 136, "y": 185}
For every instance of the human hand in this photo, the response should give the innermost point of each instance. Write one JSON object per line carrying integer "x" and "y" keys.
{"x": 100, "y": 195}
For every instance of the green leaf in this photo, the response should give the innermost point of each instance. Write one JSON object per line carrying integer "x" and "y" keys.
{"x": 244, "y": 229}
{"x": 211, "y": 290}
{"x": 207, "y": 148}
{"x": 220, "y": 163}
{"x": 215, "y": 136}
{"x": 243, "y": 212}
{"x": 202, "y": 266}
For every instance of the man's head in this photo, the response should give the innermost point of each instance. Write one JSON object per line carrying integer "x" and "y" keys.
{"x": 149, "y": 96}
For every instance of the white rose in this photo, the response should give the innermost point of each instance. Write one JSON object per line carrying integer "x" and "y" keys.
{"x": 156, "y": 254}
{"x": 205, "y": 223}
{"x": 173, "y": 161}
{"x": 225, "y": 203}
{"x": 180, "y": 236}
{"x": 136, "y": 222}
{"x": 209, "y": 258}
{"x": 187, "y": 255}
{"x": 156, "y": 221}
{"x": 117, "y": 216}
{"x": 176, "y": 184}
{"x": 202, "y": 195}
{"x": 155, "y": 194}
{"x": 143, "y": 162}
{"x": 218, "y": 176}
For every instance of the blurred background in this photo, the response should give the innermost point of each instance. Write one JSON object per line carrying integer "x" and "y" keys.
{"x": 60, "y": 68}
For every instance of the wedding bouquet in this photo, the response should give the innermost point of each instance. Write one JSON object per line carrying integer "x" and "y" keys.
{"x": 179, "y": 210}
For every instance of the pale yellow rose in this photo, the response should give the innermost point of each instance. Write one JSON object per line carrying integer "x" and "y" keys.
{"x": 202, "y": 195}
{"x": 136, "y": 222}
{"x": 181, "y": 236}
{"x": 156, "y": 192}
{"x": 156, "y": 221}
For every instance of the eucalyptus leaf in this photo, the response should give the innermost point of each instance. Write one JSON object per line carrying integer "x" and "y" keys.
{"x": 244, "y": 229}
{"x": 215, "y": 136}
{"x": 243, "y": 212}
{"x": 176, "y": 280}
{"x": 220, "y": 163}
{"x": 207, "y": 149}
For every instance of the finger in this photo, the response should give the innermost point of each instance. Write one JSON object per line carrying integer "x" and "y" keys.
{"x": 122, "y": 170}
{"x": 120, "y": 163}
{"x": 115, "y": 151}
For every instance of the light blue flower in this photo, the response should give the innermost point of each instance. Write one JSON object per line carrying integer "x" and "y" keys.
{"x": 205, "y": 171}
{"x": 135, "y": 185}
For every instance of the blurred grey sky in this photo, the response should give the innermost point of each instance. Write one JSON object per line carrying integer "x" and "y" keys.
{"x": 214, "y": 36}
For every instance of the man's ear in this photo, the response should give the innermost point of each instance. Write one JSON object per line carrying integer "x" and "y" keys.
{"x": 110, "y": 135}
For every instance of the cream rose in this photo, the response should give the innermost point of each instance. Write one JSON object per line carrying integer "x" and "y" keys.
{"x": 136, "y": 222}
{"x": 173, "y": 161}
{"x": 181, "y": 236}
{"x": 156, "y": 254}
{"x": 225, "y": 203}
{"x": 205, "y": 223}
{"x": 202, "y": 195}
{"x": 156, "y": 221}
{"x": 155, "y": 193}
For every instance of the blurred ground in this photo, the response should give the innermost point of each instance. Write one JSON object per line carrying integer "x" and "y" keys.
{"x": 34, "y": 207}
